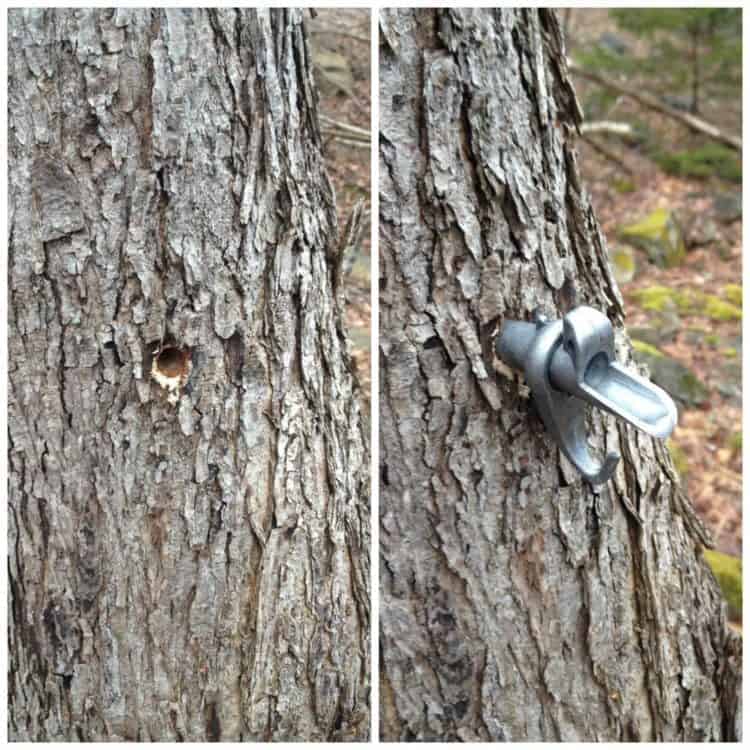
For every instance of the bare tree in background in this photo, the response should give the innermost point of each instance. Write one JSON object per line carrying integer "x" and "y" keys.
{"x": 189, "y": 544}
{"x": 517, "y": 603}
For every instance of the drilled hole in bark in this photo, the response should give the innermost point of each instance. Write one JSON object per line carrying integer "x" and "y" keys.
{"x": 172, "y": 362}
{"x": 170, "y": 368}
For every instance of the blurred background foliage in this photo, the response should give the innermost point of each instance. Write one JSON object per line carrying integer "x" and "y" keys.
{"x": 689, "y": 50}
{"x": 685, "y": 56}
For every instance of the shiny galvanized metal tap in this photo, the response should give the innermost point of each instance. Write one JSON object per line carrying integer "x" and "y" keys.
{"x": 570, "y": 362}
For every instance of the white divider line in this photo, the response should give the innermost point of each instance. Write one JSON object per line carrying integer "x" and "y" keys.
{"x": 374, "y": 380}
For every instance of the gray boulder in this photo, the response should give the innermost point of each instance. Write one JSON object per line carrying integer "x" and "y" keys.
{"x": 728, "y": 207}
{"x": 676, "y": 379}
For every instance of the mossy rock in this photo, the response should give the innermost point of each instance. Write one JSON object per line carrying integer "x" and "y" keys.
{"x": 661, "y": 298}
{"x": 728, "y": 573}
{"x": 659, "y": 235}
{"x": 733, "y": 292}
{"x": 718, "y": 309}
{"x": 730, "y": 383}
{"x": 699, "y": 231}
{"x": 735, "y": 442}
{"x": 623, "y": 264}
{"x": 676, "y": 379}
{"x": 728, "y": 207}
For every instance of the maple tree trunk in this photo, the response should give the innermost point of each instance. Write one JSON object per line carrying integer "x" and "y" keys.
{"x": 195, "y": 570}
{"x": 517, "y": 602}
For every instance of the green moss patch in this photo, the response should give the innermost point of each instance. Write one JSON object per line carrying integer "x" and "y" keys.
{"x": 623, "y": 260}
{"x": 679, "y": 459}
{"x": 623, "y": 263}
{"x": 661, "y": 298}
{"x": 643, "y": 348}
{"x": 711, "y": 160}
{"x": 733, "y": 292}
{"x": 717, "y": 309}
{"x": 728, "y": 573}
{"x": 623, "y": 185}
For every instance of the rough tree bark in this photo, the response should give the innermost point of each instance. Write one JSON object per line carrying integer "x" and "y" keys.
{"x": 195, "y": 570}
{"x": 517, "y": 603}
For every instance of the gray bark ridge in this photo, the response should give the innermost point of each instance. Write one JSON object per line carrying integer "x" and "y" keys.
{"x": 516, "y": 602}
{"x": 196, "y": 570}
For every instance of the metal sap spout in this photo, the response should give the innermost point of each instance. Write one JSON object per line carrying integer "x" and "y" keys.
{"x": 570, "y": 362}
{"x": 609, "y": 386}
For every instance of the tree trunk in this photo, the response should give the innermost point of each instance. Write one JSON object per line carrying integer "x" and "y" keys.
{"x": 517, "y": 602}
{"x": 188, "y": 524}
{"x": 696, "y": 71}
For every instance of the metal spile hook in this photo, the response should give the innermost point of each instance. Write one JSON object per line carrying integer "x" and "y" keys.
{"x": 572, "y": 361}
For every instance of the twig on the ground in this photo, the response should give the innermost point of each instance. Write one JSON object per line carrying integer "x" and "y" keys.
{"x": 344, "y": 132}
{"x": 608, "y": 127}
{"x": 345, "y": 126}
{"x": 338, "y": 133}
{"x": 346, "y": 141}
